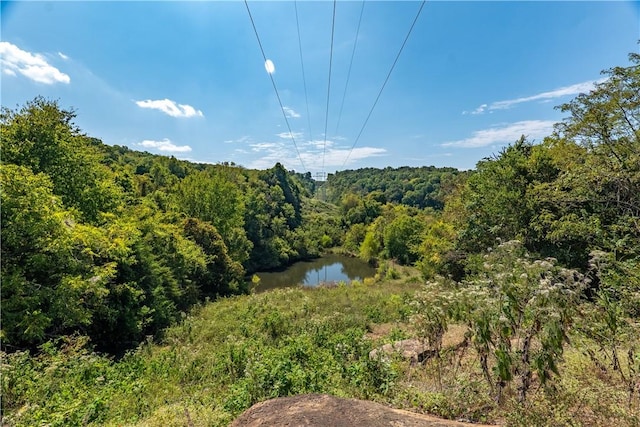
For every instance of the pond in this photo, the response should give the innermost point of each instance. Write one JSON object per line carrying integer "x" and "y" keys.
{"x": 329, "y": 268}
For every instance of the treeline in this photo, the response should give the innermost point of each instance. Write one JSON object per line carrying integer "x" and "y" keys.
{"x": 576, "y": 192}
{"x": 422, "y": 187}
{"x": 539, "y": 242}
{"x": 114, "y": 244}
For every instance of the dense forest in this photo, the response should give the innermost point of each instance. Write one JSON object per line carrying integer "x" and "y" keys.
{"x": 422, "y": 187}
{"x": 533, "y": 253}
{"x": 115, "y": 244}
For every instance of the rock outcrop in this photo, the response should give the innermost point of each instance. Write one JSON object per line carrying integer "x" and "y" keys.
{"x": 324, "y": 410}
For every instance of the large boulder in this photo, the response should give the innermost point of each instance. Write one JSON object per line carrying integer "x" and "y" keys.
{"x": 323, "y": 410}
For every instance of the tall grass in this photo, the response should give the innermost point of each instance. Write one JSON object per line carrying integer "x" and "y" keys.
{"x": 221, "y": 359}
{"x": 227, "y": 355}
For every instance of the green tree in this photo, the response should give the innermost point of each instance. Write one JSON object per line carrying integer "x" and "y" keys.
{"x": 354, "y": 237}
{"x": 222, "y": 275}
{"x": 157, "y": 276}
{"x": 417, "y": 187}
{"x": 274, "y": 219}
{"x": 437, "y": 251}
{"x": 497, "y": 199}
{"x": 43, "y": 137}
{"x": 49, "y": 286}
{"x": 402, "y": 238}
{"x": 596, "y": 199}
{"x": 211, "y": 197}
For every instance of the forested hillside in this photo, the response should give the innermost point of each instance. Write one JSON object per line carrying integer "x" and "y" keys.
{"x": 574, "y": 193}
{"x": 417, "y": 187}
{"x": 533, "y": 257}
{"x": 113, "y": 243}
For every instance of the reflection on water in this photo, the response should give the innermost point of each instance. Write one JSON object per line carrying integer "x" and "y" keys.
{"x": 327, "y": 269}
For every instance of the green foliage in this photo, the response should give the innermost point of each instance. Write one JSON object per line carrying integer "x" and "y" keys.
{"x": 437, "y": 251}
{"x": 215, "y": 364}
{"x": 273, "y": 220}
{"x": 600, "y": 190}
{"x": 222, "y": 275}
{"x": 423, "y": 187}
{"x": 395, "y": 234}
{"x": 320, "y": 229}
{"x": 498, "y": 200}
{"x": 358, "y": 210}
{"x": 278, "y": 176}
{"x": 212, "y": 197}
{"x": 49, "y": 284}
{"x": 402, "y": 238}
{"x": 42, "y": 137}
{"x": 354, "y": 237}
{"x": 519, "y": 312}
{"x": 575, "y": 193}
{"x": 115, "y": 244}
{"x": 117, "y": 283}
{"x": 371, "y": 246}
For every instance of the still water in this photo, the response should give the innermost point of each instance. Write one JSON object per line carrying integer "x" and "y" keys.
{"x": 330, "y": 268}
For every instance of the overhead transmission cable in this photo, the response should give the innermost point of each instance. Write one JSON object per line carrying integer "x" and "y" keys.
{"x": 326, "y": 116}
{"x": 355, "y": 43}
{"x": 304, "y": 79}
{"x": 385, "y": 82}
{"x": 273, "y": 82}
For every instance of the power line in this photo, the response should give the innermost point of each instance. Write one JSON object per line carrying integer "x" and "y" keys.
{"x": 326, "y": 116}
{"x": 385, "y": 81}
{"x": 284, "y": 114}
{"x": 355, "y": 43}
{"x": 304, "y": 79}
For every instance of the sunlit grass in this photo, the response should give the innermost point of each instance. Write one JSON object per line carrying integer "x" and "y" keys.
{"x": 217, "y": 362}
{"x": 227, "y": 355}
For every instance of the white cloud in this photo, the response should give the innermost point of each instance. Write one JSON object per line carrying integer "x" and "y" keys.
{"x": 63, "y": 56}
{"x": 336, "y": 156}
{"x": 33, "y": 66}
{"x": 170, "y": 107}
{"x": 242, "y": 139}
{"x": 165, "y": 145}
{"x": 290, "y": 113}
{"x": 313, "y": 153}
{"x": 505, "y": 134}
{"x": 320, "y": 143}
{"x": 574, "y": 89}
{"x": 556, "y": 93}
{"x": 287, "y": 135}
{"x": 264, "y": 146}
{"x": 480, "y": 109}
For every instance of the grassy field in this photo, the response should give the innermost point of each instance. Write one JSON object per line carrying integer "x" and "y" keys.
{"x": 229, "y": 354}
{"x": 221, "y": 359}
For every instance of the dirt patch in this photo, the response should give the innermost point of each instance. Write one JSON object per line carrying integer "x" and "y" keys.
{"x": 454, "y": 335}
{"x": 325, "y": 410}
{"x": 380, "y": 330}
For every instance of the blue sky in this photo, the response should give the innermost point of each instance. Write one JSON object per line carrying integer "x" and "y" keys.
{"x": 188, "y": 78}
